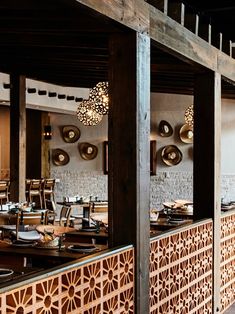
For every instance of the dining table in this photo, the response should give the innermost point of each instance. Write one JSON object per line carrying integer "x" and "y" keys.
{"x": 86, "y": 236}
{"x": 163, "y": 224}
{"x": 47, "y": 257}
{"x": 18, "y": 273}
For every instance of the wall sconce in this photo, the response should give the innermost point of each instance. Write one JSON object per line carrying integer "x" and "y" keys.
{"x": 47, "y": 132}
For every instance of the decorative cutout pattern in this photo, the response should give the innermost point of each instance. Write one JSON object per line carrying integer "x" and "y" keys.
{"x": 227, "y": 263}
{"x": 98, "y": 287}
{"x": 181, "y": 271}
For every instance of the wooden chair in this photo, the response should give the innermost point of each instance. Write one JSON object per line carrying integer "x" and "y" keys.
{"x": 51, "y": 211}
{"x": 29, "y": 218}
{"x": 48, "y": 187}
{"x": 18, "y": 221}
{"x": 34, "y": 191}
{"x": 4, "y": 191}
{"x": 99, "y": 207}
{"x": 65, "y": 218}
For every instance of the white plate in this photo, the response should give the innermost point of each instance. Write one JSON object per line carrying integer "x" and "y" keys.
{"x": 5, "y": 272}
{"x": 28, "y": 235}
{"x": 184, "y": 202}
{"x": 39, "y": 210}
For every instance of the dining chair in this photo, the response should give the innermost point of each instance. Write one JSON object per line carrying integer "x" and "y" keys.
{"x": 65, "y": 218}
{"x": 34, "y": 191}
{"x": 51, "y": 211}
{"x": 4, "y": 191}
{"x": 48, "y": 187}
{"x": 18, "y": 222}
{"x": 31, "y": 219}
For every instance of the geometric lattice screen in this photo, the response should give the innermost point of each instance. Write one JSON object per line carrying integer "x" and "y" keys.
{"x": 103, "y": 286}
{"x": 181, "y": 271}
{"x": 227, "y": 263}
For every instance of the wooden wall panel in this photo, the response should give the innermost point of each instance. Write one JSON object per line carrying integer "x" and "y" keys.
{"x": 181, "y": 271}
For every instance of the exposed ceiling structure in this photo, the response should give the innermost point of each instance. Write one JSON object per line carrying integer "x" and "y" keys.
{"x": 62, "y": 42}
{"x": 219, "y": 13}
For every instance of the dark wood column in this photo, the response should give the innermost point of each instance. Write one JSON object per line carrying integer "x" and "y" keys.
{"x": 207, "y": 163}
{"x": 17, "y": 137}
{"x": 129, "y": 138}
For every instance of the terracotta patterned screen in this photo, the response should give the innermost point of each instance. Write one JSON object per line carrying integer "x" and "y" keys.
{"x": 101, "y": 286}
{"x": 181, "y": 271}
{"x": 227, "y": 264}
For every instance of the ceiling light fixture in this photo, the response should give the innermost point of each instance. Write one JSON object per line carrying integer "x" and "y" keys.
{"x": 87, "y": 115}
{"x": 100, "y": 98}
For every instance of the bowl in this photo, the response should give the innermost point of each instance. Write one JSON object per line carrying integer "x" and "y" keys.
{"x": 154, "y": 216}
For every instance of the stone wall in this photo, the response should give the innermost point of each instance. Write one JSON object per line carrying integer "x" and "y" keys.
{"x": 168, "y": 186}
{"x": 165, "y": 186}
{"x": 82, "y": 183}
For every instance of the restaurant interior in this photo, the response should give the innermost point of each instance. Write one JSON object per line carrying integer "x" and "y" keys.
{"x": 117, "y": 173}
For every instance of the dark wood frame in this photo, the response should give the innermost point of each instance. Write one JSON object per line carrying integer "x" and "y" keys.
{"x": 153, "y": 157}
{"x": 105, "y": 157}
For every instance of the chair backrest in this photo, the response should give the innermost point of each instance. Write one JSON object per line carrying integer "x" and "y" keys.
{"x": 4, "y": 186}
{"x": 65, "y": 214}
{"x": 99, "y": 208}
{"x": 50, "y": 205}
{"x": 29, "y": 218}
{"x": 35, "y": 184}
{"x": 4, "y": 191}
{"x": 49, "y": 184}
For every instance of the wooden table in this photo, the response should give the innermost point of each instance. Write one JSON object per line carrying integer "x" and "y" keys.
{"x": 20, "y": 273}
{"x": 46, "y": 258}
{"x": 85, "y": 236}
{"x": 164, "y": 224}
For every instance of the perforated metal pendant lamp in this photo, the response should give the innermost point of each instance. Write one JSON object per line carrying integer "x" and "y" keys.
{"x": 188, "y": 116}
{"x": 87, "y": 115}
{"x": 100, "y": 98}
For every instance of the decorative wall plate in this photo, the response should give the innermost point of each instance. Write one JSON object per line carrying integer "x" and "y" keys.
{"x": 186, "y": 134}
{"x": 88, "y": 151}
{"x": 171, "y": 155}
{"x": 60, "y": 157}
{"x": 70, "y": 133}
{"x": 165, "y": 129}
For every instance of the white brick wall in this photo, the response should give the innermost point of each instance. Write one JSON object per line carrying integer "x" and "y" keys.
{"x": 165, "y": 186}
{"x": 83, "y": 183}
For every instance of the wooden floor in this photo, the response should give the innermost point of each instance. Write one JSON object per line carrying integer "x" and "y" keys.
{"x": 231, "y": 310}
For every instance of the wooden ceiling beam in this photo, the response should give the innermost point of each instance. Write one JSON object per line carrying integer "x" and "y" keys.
{"x": 178, "y": 40}
{"x": 132, "y": 13}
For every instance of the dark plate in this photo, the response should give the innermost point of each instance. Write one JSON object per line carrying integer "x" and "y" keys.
{"x": 76, "y": 248}
{"x": 88, "y": 229}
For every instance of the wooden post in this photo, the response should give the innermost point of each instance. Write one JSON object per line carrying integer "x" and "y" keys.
{"x": 129, "y": 153}
{"x": 17, "y": 138}
{"x": 207, "y": 160}
{"x": 45, "y": 150}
